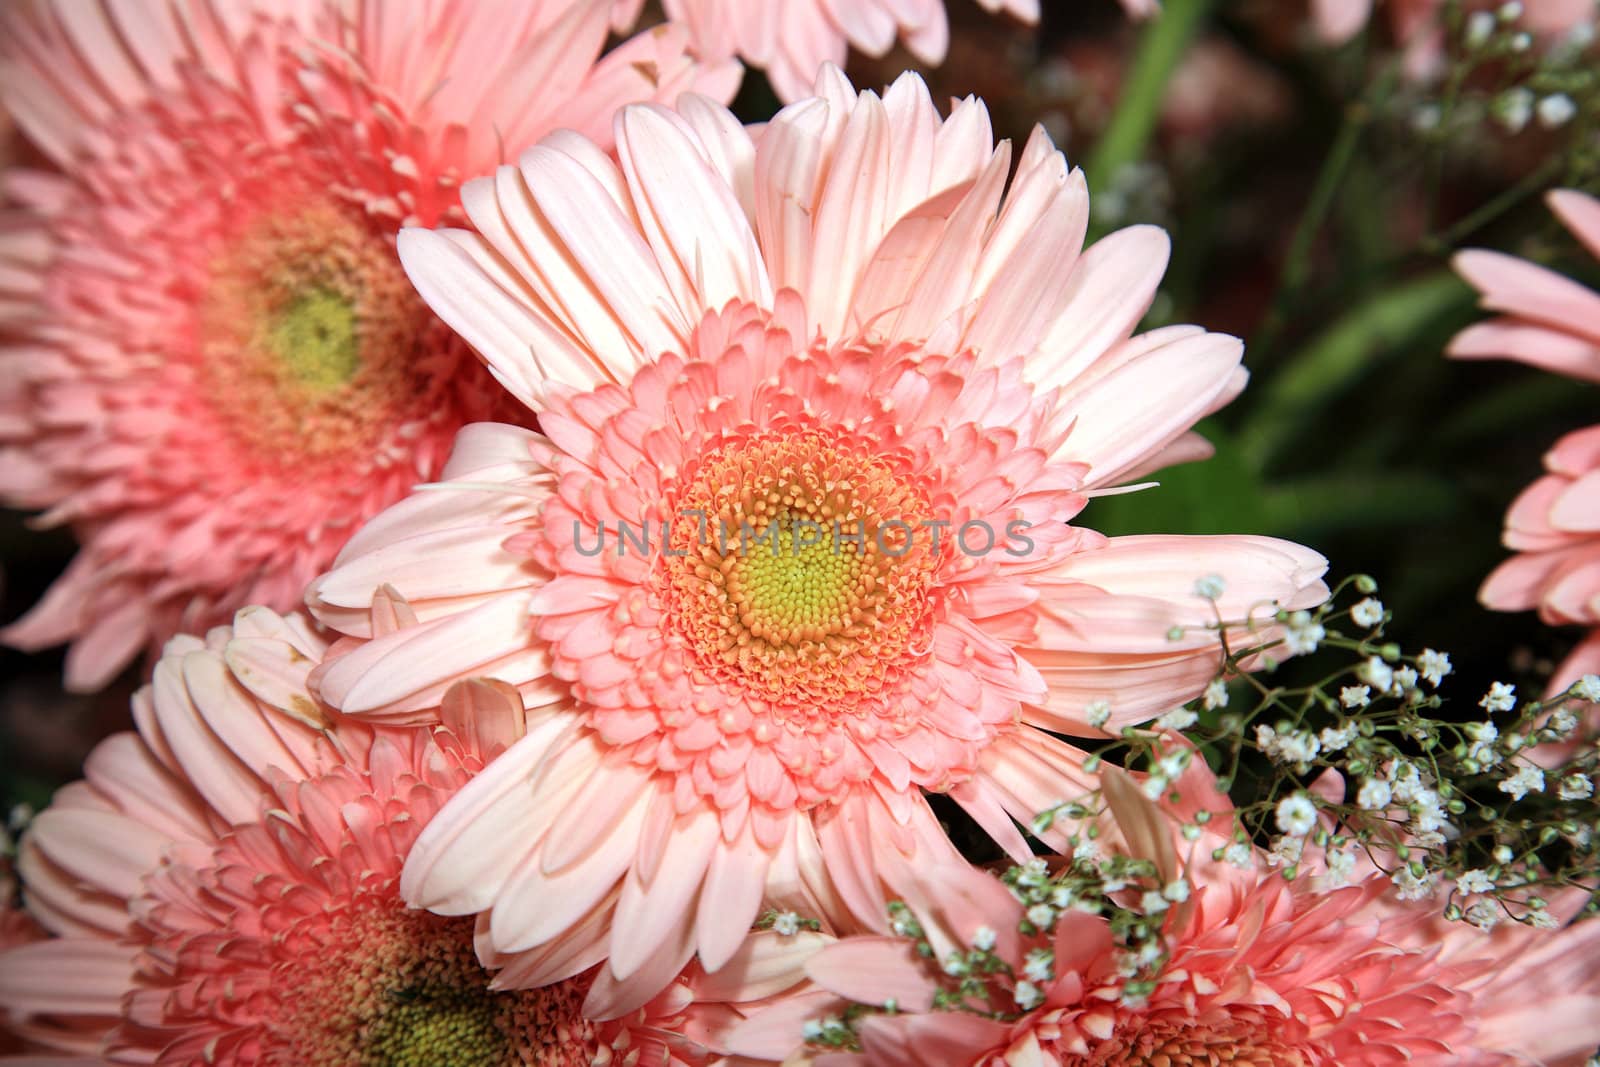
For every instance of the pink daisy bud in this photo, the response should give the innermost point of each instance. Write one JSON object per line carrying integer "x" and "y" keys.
{"x": 224, "y": 888}
{"x": 214, "y": 367}
{"x": 837, "y": 404}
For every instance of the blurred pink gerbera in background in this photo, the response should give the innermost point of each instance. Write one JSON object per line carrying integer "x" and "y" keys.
{"x": 838, "y": 326}
{"x": 224, "y": 888}
{"x": 214, "y": 367}
{"x": 791, "y": 39}
{"x": 1551, "y": 322}
{"x": 1259, "y": 971}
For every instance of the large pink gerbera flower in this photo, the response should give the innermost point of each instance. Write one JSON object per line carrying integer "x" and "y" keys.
{"x": 214, "y": 367}
{"x": 791, "y": 39}
{"x": 1259, "y": 971}
{"x": 224, "y": 888}
{"x": 832, "y": 334}
{"x": 1551, "y": 322}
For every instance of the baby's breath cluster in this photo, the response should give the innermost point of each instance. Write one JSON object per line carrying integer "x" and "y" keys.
{"x": 1364, "y": 766}
{"x": 1127, "y": 892}
{"x": 1499, "y": 74}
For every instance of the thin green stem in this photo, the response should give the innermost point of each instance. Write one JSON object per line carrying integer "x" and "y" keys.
{"x": 1297, "y": 265}
{"x": 1325, "y": 370}
{"x": 1444, "y": 243}
{"x": 1138, "y": 108}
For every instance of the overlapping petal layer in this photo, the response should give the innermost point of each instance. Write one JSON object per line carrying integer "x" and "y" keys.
{"x": 224, "y": 887}
{"x": 838, "y": 396}
{"x": 214, "y": 368}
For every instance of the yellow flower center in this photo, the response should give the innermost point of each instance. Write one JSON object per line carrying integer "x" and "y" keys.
{"x": 1220, "y": 1042}
{"x": 314, "y": 338}
{"x": 799, "y": 568}
{"x": 313, "y": 342}
{"x": 381, "y": 985}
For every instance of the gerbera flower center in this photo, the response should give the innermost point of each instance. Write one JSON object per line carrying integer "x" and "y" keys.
{"x": 1163, "y": 1042}
{"x": 379, "y": 985}
{"x": 799, "y": 566}
{"x": 309, "y": 333}
{"x": 314, "y": 338}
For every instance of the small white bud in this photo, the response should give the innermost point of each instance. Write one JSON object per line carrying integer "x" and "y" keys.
{"x": 1556, "y": 110}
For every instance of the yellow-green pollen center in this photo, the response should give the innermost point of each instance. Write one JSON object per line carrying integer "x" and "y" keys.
{"x": 315, "y": 338}
{"x": 425, "y": 1028}
{"x": 793, "y": 571}
{"x": 798, "y": 588}
{"x": 381, "y": 985}
{"x": 313, "y": 344}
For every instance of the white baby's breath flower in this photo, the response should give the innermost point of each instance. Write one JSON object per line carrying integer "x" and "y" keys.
{"x": 1427, "y": 813}
{"x": 1376, "y": 673}
{"x": 1097, "y": 713}
{"x": 1587, "y": 688}
{"x": 1374, "y": 795}
{"x": 1286, "y": 851}
{"x": 1027, "y": 995}
{"x": 1368, "y": 613}
{"x": 1480, "y": 27}
{"x": 1411, "y": 886}
{"x": 1484, "y": 914}
{"x": 1178, "y": 719}
{"x": 1210, "y": 587}
{"x": 1433, "y": 666}
{"x": 1556, "y": 110}
{"x": 1303, "y": 634}
{"x": 1296, "y": 815}
{"x": 1174, "y": 763}
{"x": 1337, "y": 739}
{"x": 1238, "y": 854}
{"x": 1474, "y": 881}
{"x": 1513, "y": 108}
{"x": 1500, "y": 697}
{"x": 1216, "y": 695}
{"x": 1527, "y": 780}
{"x": 1355, "y": 696}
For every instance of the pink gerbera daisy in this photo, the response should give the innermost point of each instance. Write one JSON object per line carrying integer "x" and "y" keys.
{"x": 834, "y": 335}
{"x": 1264, "y": 974}
{"x": 791, "y": 39}
{"x": 1551, "y": 322}
{"x": 224, "y": 888}
{"x": 214, "y": 366}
